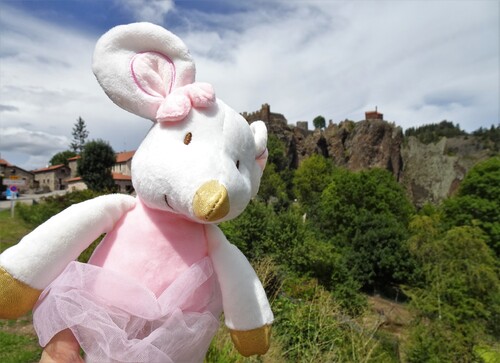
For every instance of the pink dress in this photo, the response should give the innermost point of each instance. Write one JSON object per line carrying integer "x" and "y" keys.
{"x": 148, "y": 294}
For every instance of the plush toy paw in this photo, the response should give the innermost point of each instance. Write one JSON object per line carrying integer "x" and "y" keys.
{"x": 16, "y": 298}
{"x": 250, "y": 342}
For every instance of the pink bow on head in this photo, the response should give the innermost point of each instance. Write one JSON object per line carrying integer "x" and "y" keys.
{"x": 179, "y": 102}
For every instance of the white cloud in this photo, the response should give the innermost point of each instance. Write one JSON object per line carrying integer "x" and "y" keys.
{"x": 147, "y": 10}
{"x": 19, "y": 139}
{"x": 418, "y": 61}
{"x": 340, "y": 58}
{"x": 46, "y": 83}
{"x": 39, "y": 145}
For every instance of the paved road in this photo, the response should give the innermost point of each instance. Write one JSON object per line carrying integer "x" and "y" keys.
{"x": 28, "y": 198}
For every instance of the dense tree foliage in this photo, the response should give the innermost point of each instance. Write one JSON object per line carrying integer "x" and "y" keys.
{"x": 434, "y": 132}
{"x": 277, "y": 153}
{"x": 335, "y": 235}
{"x": 273, "y": 188}
{"x": 457, "y": 296}
{"x": 319, "y": 122}
{"x": 95, "y": 165}
{"x": 366, "y": 215}
{"x": 310, "y": 179}
{"x": 491, "y": 136}
{"x": 276, "y": 183}
{"x": 478, "y": 201}
{"x": 62, "y": 157}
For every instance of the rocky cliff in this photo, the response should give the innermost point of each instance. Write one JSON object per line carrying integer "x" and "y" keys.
{"x": 430, "y": 172}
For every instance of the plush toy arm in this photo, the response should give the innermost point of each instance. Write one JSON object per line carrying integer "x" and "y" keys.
{"x": 30, "y": 266}
{"x": 246, "y": 308}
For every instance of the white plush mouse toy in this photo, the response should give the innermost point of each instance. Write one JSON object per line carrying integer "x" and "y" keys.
{"x": 156, "y": 285}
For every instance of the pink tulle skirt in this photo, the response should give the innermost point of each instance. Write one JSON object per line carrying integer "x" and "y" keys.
{"x": 119, "y": 320}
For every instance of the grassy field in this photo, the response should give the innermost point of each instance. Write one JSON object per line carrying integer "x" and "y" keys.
{"x": 11, "y": 229}
{"x": 18, "y": 341}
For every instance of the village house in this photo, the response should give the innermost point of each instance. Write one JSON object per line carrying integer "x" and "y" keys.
{"x": 73, "y": 165}
{"x": 52, "y": 178}
{"x": 123, "y": 182}
{"x": 121, "y": 172}
{"x": 123, "y": 163}
{"x": 9, "y": 171}
{"x": 75, "y": 183}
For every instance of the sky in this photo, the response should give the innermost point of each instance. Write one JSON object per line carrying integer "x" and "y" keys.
{"x": 419, "y": 62}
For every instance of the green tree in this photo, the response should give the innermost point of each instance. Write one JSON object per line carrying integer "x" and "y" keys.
{"x": 309, "y": 181}
{"x": 477, "y": 202}
{"x": 248, "y": 231}
{"x": 95, "y": 165}
{"x": 434, "y": 132}
{"x": 491, "y": 136}
{"x": 436, "y": 342}
{"x": 366, "y": 214}
{"x": 80, "y": 135}
{"x": 276, "y": 183}
{"x": 349, "y": 194}
{"x": 62, "y": 157}
{"x": 273, "y": 188}
{"x": 456, "y": 300}
{"x": 277, "y": 153}
{"x": 319, "y": 122}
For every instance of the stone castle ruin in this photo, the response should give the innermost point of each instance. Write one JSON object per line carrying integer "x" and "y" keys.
{"x": 430, "y": 173}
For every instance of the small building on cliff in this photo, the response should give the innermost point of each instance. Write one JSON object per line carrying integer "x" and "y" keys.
{"x": 374, "y": 115}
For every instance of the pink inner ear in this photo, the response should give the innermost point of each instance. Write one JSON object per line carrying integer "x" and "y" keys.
{"x": 153, "y": 73}
{"x": 262, "y": 159}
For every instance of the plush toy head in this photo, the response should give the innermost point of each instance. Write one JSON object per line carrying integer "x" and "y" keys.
{"x": 201, "y": 159}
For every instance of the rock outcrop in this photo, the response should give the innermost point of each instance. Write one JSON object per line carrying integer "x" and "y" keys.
{"x": 430, "y": 172}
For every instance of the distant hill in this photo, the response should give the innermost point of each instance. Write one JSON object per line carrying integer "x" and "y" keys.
{"x": 429, "y": 161}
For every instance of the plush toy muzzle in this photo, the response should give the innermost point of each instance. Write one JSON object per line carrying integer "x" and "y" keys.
{"x": 211, "y": 201}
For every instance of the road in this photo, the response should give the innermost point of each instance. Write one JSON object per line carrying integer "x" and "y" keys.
{"x": 28, "y": 198}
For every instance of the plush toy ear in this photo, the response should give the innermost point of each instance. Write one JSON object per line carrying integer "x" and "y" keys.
{"x": 139, "y": 64}
{"x": 260, "y": 136}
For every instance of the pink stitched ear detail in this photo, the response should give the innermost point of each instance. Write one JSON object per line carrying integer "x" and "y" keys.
{"x": 153, "y": 73}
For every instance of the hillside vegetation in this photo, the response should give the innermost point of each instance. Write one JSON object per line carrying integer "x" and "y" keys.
{"x": 434, "y": 132}
{"x": 335, "y": 248}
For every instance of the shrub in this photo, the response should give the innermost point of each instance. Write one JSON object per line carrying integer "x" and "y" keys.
{"x": 309, "y": 326}
{"x": 41, "y": 211}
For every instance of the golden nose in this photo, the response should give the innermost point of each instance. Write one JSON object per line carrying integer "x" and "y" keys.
{"x": 211, "y": 201}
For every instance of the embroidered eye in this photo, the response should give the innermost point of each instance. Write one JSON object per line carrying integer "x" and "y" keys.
{"x": 238, "y": 164}
{"x": 187, "y": 138}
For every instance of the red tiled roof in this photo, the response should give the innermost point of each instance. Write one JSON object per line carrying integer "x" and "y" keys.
{"x": 50, "y": 168}
{"x": 5, "y": 162}
{"x": 124, "y": 156}
{"x": 75, "y": 179}
{"x": 116, "y": 176}
{"x": 74, "y": 158}
{"x": 119, "y": 176}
